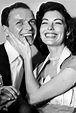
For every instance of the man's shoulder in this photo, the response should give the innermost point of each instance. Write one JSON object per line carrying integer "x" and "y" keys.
{"x": 2, "y": 50}
{"x": 3, "y": 54}
{"x": 2, "y": 47}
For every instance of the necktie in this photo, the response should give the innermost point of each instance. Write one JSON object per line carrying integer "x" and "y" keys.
{"x": 17, "y": 72}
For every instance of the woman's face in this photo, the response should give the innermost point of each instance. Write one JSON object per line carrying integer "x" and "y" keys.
{"x": 52, "y": 28}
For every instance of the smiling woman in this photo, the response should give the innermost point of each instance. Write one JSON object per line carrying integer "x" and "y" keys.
{"x": 51, "y": 83}
{"x": 52, "y": 28}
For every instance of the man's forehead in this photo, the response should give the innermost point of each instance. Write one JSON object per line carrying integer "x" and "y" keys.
{"x": 21, "y": 12}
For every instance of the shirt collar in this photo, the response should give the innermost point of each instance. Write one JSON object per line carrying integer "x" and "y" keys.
{"x": 12, "y": 53}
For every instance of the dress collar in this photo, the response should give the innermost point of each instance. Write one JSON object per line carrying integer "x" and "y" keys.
{"x": 65, "y": 54}
{"x": 12, "y": 53}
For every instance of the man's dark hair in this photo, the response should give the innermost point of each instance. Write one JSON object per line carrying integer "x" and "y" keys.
{"x": 6, "y": 11}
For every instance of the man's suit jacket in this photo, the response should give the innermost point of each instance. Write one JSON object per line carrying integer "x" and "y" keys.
{"x": 6, "y": 72}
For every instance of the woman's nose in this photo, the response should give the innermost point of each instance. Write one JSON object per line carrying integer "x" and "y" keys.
{"x": 51, "y": 26}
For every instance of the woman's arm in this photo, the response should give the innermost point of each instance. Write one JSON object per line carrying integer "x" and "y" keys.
{"x": 58, "y": 85}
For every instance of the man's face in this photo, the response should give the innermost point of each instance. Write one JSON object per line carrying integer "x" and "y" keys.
{"x": 22, "y": 24}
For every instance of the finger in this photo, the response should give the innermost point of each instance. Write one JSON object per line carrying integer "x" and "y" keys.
{"x": 4, "y": 97}
{"x": 14, "y": 89}
{"x": 11, "y": 36}
{"x": 5, "y": 109}
{"x": 7, "y": 93}
{"x": 21, "y": 40}
{"x": 24, "y": 40}
{"x": 10, "y": 91}
{"x": 5, "y": 106}
{"x": 18, "y": 42}
{"x": 9, "y": 103}
{"x": 4, "y": 100}
{"x": 11, "y": 39}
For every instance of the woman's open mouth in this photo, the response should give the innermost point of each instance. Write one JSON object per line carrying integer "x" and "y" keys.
{"x": 50, "y": 35}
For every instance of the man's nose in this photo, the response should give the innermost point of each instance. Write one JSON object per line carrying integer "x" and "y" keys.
{"x": 27, "y": 26}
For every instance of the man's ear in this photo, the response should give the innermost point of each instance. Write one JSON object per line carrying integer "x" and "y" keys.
{"x": 6, "y": 31}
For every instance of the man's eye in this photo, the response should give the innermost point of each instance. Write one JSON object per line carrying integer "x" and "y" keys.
{"x": 33, "y": 22}
{"x": 19, "y": 23}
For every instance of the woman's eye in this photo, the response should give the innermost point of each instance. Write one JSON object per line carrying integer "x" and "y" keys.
{"x": 44, "y": 23}
{"x": 58, "y": 23}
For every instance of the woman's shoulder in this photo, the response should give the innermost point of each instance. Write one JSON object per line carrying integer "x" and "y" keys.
{"x": 69, "y": 62}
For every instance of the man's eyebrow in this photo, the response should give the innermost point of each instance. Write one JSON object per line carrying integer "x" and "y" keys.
{"x": 19, "y": 19}
{"x": 32, "y": 19}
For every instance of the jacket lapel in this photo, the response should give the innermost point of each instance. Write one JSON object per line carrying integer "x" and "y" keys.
{"x": 4, "y": 66}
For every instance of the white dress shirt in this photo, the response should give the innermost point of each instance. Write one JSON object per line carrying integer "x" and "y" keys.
{"x": 15, "y": 61}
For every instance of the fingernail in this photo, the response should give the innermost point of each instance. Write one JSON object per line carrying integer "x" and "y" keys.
{"x": 5, "y": 109}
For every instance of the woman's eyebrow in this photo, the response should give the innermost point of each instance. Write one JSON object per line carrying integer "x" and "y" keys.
{"x": 54, "y": 19}
{"x": 59, "y": 19}
{"x": 44, "y": 19}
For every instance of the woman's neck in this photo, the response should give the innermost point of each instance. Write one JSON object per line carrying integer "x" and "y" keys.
{"x": 55, "y": 52}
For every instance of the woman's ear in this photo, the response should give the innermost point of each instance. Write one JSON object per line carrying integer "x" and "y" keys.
{"x": 68, "y": 33}
{"x": 6, "y": 31}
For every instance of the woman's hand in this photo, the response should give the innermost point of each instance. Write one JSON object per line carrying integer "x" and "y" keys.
{"x": 21, "y": 45}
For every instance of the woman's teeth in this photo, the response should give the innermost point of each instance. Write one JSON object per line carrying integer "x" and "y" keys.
{"x": 50, "y": 35}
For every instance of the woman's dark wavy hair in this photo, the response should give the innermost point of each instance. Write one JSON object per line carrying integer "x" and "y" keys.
{"x": 70, "y": 41}
{"x": 6, "y": 11}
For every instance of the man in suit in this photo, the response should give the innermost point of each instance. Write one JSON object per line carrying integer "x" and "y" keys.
{"x": 17, "y": 20}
